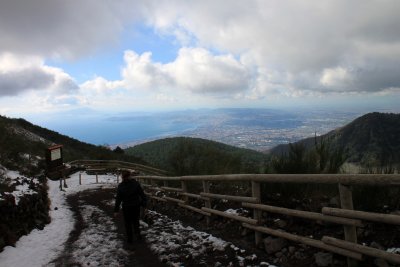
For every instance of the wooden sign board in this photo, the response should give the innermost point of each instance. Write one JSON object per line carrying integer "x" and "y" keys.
{"x": 54, "y": 158}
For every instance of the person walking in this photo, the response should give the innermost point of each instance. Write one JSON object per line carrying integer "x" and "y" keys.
{"x": 132, "y": 197}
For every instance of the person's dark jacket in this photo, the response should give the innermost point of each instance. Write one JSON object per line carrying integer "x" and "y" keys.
{"x": 131, "y": 194}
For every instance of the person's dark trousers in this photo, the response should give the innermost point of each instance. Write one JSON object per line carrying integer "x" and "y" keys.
{"x": 131, "y": 218}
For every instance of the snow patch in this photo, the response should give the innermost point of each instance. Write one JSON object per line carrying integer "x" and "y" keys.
{"x": 239, "y": 212}
{"x": 98, "y": 244}
{"x": 22, "y": 185}
{"x": 232, "y": 211}
{"x": 393, "y": 250}
{"x": 174, "y": 243}
{"x": 29, "y": 135}
{"x": 40, "y": 248}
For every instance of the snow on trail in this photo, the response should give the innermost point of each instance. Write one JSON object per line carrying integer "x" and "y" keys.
{"x": 98, "y": 244}
{"x": 40, "y": 247}
{"x": 177, "y": 245}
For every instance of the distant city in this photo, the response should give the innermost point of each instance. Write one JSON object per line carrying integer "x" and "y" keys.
{"x": 257, "y": 129}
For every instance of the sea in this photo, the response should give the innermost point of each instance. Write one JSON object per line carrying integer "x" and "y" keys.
{"x": 258, "y": 129}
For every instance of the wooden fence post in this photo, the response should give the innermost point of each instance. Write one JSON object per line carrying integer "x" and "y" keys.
{"x": 184, "y": 190}
{"x": 65, "y": 182}
{"x": 97, "y": 178}
{"x": 207, "y": 203}
{"x": 80, "y": 178}
{"x": 61, "y": 184}
{"x": 350, "y": 232}
{"x": 256, "y": 193}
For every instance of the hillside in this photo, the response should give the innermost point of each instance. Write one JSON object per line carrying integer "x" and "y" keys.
{"x": 184, "y": 156}
{"x": 23, "y": 146}
{"x": 372, "y": 139}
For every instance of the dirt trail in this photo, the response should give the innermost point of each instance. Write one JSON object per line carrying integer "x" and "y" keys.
{"x": 101, "y": 202}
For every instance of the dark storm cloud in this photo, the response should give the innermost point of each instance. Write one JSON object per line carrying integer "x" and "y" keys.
{"x": 13, "y": 83}
{"x": 58, "y": 28}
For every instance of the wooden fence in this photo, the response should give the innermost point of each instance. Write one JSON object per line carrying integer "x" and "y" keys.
{"x": 98, "y": 166}
{"x": 346, "y": 215}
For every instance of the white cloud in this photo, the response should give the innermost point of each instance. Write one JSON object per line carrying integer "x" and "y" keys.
{"x": 300, "y": 39}
{"x": 140, "y": 72}
{"x": 99, "y": 85}
{"x": 23, "y": 73}
{"x": 337, "y": 77}
{"x": 230, "y": 50}
{"x": 187, "y": 81}
{"x": 195, "y": 70}
{"x": 163, "y": 98}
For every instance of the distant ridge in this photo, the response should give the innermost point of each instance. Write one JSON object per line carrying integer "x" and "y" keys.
{"x": 373, "y": 138}
{"x": 191, "y": 156}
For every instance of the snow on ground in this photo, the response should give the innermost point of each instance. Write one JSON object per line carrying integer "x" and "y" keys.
{"x": 98, "y": 244}
{"x": 22, "y": 185}
{"x": 239, "y": 212}
{"x": 42, "y": 246}
{"x": 393, "y": 250}
{"x": 175, "y": 243}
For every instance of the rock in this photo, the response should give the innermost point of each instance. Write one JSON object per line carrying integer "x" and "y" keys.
{"x": 273, "y": 245}
{"x": 323, "y": 259}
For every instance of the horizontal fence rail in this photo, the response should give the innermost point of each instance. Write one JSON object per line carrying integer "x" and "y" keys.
{"x": 304, "y": 214}
{"x": 101, "y": 165}
{"x": 362, "y": 215}
{"x": 348, "y": 217}
{"x": 346, "y": 179}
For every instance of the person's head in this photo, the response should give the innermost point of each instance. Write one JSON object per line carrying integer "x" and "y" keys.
{"x": 125, "y": 174}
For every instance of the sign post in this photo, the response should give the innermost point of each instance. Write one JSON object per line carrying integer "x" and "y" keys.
{"x": 54, "y": 163}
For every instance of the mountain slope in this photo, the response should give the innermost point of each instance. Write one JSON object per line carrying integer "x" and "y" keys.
{"x": 185, "y": 155}
{"x": 373, "y": 138}
{"x": 23, "y": 145}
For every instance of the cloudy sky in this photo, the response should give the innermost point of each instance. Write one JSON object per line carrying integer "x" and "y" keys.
{"x": 61, "y": 56}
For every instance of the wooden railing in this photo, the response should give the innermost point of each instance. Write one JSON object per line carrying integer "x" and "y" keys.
{"x": 103, "y": 165}
{"x": 346, "y": 215}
